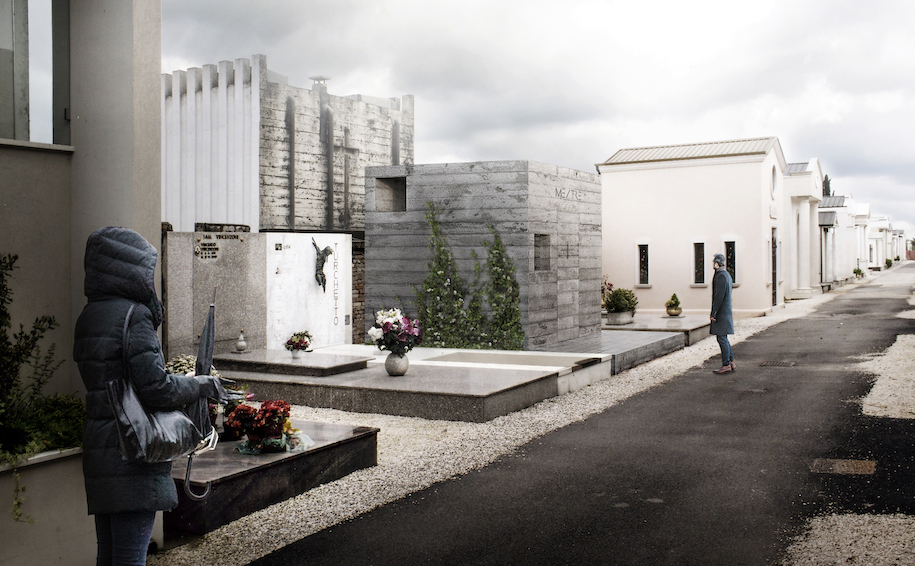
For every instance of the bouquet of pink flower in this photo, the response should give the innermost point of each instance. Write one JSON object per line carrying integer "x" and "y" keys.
{"x": 395, "y": 332}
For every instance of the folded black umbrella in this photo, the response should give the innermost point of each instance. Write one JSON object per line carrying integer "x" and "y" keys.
{"x": 200, "y": 413}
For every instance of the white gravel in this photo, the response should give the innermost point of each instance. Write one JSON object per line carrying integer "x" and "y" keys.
{"x": 416, "y": 453}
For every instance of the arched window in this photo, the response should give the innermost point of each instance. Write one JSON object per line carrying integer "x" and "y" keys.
{"x": 772, "y": 186}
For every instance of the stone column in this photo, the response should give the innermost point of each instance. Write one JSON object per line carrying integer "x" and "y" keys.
{"x": 803, "y": 248}
{"x": 115, "y": 127}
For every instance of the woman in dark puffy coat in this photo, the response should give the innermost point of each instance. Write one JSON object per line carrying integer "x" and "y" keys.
{"x": 124, "y": 496}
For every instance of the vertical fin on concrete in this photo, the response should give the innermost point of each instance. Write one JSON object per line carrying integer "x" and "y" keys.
{"x": 290, "y": 130}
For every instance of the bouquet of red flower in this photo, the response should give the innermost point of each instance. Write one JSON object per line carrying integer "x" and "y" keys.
{"x": 271, "y": 418}
{"x": 268, "y": 429}
{"x": 241, "y": 419}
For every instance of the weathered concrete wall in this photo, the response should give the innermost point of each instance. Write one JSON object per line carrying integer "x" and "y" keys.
{"x": 565, "y": 206}
{"x": 355, "y": 131}
{"x": 265, "y": 284}
{"x": 522, "y": 200}
{"x": 63, "y": 531}
{"x": 35, "y": 225}
{"x": 229, "y": 131}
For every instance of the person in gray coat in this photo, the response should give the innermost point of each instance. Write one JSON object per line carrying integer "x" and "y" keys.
{"x": 124, "y": 496}
{"x": 722, "y": 318}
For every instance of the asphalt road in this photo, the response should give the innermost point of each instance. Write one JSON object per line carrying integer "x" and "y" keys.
{"x": 705, "y": 469}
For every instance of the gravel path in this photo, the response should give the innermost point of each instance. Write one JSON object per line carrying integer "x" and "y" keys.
{"x": 416, "y": 453}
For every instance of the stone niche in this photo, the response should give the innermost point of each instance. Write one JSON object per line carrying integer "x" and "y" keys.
{"x": 549, "y": 219}
{"x": 265, "y": 284}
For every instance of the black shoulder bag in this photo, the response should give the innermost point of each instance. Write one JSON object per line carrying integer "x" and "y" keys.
{"x": 155, "y": 436}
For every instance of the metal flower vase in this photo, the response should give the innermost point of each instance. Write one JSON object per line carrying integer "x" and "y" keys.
{"x": 396, "y": 365}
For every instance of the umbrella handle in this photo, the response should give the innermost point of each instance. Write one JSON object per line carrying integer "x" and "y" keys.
{"x": 187, "y": 483}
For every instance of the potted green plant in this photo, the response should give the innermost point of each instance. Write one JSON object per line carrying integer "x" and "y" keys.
{"x": 32, "y": 425}
{"x": 621, "y": 305}
{"x": 673, "y": 306}
{"x": 606, "y": 287}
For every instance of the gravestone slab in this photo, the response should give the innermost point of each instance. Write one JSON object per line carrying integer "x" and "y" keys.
{"x": 281, "y": 361}
{"x": 242, "y": 484}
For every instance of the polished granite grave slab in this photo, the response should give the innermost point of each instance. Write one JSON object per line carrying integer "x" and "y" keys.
{"x": 624, "y": 348}
{"x": 457, "y": 391}
{"x": 281, "y": 361}
{"x": 572, "y": 361}
{"x": 243, "y": 484}
{"x": 465, "y": 385}
{"x": 694, "y": 327}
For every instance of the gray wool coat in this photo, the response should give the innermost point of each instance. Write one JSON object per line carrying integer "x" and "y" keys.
{"x": 120, "y": 271}
{"x": 721, "y": 303}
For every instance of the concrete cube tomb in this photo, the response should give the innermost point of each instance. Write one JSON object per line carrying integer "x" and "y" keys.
{"x": 548, "y": 218}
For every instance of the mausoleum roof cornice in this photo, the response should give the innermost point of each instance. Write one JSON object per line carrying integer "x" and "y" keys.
{"x": 705, "y": 150}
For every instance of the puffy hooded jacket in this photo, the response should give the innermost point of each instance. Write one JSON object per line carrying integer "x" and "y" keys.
{"x": 120, "y": 271}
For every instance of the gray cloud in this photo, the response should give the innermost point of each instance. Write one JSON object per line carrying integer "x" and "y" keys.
{"x": 570, "y": 83}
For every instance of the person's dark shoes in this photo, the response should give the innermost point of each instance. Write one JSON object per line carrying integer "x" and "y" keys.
{"x": 723, "y": 369}
{"x": 733, "y": 366}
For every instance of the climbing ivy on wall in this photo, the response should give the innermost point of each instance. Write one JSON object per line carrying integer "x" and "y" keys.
{"x": 504, "y": 296}
{"x": 451, "y": 314}
{"x": 440, "y": 301}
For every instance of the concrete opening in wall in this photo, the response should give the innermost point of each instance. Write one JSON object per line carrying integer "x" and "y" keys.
{"x": 391, "y": 194}
{"x": 541, "y": 252}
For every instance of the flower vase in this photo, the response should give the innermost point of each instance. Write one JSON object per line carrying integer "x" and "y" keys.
{"x": 396, "y": 365}
{"x": 296, "y": 354}
{"x": 253, "y": 438}
{"x": 615, "y": 318}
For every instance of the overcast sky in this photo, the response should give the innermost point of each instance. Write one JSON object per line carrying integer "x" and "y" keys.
{"x": 571, "y": 82}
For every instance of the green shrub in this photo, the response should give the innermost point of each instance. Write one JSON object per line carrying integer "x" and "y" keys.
{"x": 451, "y": 314}
{"x": 58, "y": 421}
{"x": 504, "y": 296}
{"x": 30, "y": 422}
{"x": 440, "y": 301}
{"x": 889, "y": 263}
{"x": 622, "y": 300}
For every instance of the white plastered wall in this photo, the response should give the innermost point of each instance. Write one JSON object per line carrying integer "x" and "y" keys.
{"x": 295, "y": 300}
{"x": 671, "y": 206}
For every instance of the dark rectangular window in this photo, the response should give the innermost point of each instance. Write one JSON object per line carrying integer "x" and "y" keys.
{"x": 730, "y": 257}
{"x": 541, "y": 252}
{"x": 699, "y": 263}
{"x": 643, "y": 264}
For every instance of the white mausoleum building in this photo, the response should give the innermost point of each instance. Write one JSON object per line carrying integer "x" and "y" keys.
{"x": 667, "y": 210}
{"x": 839, "y": 240}
{"x": 884, "y": 243}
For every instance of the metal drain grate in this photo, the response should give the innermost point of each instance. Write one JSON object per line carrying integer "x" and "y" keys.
{"x": 844, "y": 467}
{"x": 778, "y": 364}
